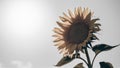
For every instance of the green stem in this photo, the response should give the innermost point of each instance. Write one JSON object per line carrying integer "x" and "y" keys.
{"x": 77, "y": 56}
{"x": 83, "y": 60}
{"x": 88, "y": 58}
{"x": 94, "y": 58}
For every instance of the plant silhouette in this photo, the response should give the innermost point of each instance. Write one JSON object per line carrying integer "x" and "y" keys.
{"x": 76, "y": 34}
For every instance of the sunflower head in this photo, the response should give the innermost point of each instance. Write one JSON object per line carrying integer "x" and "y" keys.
{"x": 75, "y": 31}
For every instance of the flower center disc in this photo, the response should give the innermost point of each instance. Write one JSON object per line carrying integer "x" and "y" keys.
{"x": 77, "y": 33}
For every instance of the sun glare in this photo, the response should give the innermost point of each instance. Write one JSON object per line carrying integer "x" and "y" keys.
{"x": 24, "y": 23}
{"x": 23, "y": 17}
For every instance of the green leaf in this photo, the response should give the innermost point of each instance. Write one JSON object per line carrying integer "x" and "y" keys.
{"x": 102, "y": 47}
{"x": 80, "y": 65}
{"x": 64, "y": 61}
{"x": 105, "y": 65}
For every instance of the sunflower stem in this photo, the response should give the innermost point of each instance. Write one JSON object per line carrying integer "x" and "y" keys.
{"x": 88, "y": 58}
{"x": 83, "y": 60}
{"x": 94, "y": 59}
{"x": 78, "y": 56}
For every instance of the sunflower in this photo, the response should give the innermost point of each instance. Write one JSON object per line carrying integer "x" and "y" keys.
{"x": 75, "y": 31}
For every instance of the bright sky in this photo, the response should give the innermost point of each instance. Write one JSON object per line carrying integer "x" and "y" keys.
{"x": 26, "y": 29}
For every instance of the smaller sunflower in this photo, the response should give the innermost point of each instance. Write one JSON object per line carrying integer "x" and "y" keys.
{"x": 76, "y": 29}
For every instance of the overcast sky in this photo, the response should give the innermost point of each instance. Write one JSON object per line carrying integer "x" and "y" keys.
{"x": 26, "y": 29}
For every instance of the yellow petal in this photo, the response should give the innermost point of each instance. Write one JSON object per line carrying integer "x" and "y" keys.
{"x": 94, "y": 20}
{"x": 64, "y": 51}
{"x": 67, "y": 23}
{"x": 67, "y": 18}
{"x": 79, "y": 11}
{"x": 75, "y": 12}
{"x": 61, "y": 47}
{"x": 58, "y": 30}
{"x": 62, "y": 25}
{"x": 85, "y": 12}
{"x": 62, "y": 18}
{"x": 96, "y": 29}
{"x": 59, "y": 43}
{"x": 71, "y": 14}
{"x": 57, "y": 35}
{"x": 97, "y": 24}
{"x": 58, "y": 39}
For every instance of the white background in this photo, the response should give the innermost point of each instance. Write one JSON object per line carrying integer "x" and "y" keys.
{"x": 26, "y": 28}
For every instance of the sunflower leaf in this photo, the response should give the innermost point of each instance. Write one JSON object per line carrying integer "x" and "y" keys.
{"x": 64, "y": 61}
{"x": 105, "y": 65}
{"x": 80, "y": 65}
{"x": 102, "y": 47}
